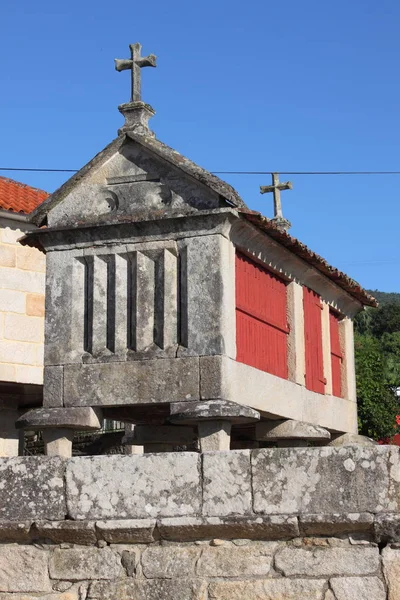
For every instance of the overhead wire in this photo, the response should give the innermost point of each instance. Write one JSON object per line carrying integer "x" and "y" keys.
{"x": 40, "y": 170}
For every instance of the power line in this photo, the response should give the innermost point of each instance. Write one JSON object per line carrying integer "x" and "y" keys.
{"x": 306, "y": 172}
{"x": 38, "y": 170}
{"x": 30, "y": 169}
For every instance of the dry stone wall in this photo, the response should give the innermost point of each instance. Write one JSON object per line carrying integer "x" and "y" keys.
{"x": 318, "y": 523}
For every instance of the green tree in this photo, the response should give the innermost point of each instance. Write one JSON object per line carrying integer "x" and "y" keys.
{"x": 377, "y": 402}
{"x": 386, "y": 319}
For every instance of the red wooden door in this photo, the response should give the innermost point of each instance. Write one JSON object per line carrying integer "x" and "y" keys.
{"x": 261, "y": 318}
{"x": 315, "y": 380}
{"x": 336, "y": 355}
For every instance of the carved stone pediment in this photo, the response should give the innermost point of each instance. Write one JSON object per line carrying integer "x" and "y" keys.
{"x": 131, "y": 182}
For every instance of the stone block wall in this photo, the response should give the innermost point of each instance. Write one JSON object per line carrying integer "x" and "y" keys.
{"x": 280, "y": 524}
{"x": 22, "y": 285}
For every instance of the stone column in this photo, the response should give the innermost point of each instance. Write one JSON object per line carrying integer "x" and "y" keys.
{"x": 326, "y": 348}
{"x": 296, "y": 346}
{"x": 214, "y": 435}
{"x": 346, "y": 336}
{"x": 58, "y": 442}
{"x": 214, "y": 419}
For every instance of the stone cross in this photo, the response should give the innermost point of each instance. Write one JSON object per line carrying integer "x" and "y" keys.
{"x": 135, "y": 63}
{"x": 276, "y": 188}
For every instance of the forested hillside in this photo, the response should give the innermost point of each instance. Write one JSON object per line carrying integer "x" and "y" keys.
{"x": 377, "y": 345}
{"x": 385, "y": 297}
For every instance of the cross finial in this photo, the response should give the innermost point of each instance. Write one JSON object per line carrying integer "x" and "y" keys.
{"x": 276, "y": 188}
{"x": 135, "y": 63}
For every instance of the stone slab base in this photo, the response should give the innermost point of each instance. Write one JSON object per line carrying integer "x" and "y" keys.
{"x": 315, "y": 523}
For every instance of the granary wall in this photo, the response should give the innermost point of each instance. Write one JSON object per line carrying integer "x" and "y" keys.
{"x": 273, "y": 524}
{"x": 22, "y": 288}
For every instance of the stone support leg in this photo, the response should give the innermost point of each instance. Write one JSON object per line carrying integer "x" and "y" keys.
{"x": 214, "y": 435}
{"x": 58, "y": 442}
{"x": 130, "y": 448}
{"x": 9, "y": 436}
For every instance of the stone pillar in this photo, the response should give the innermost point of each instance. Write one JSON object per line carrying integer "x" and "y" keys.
{"x": 130, "y": 448}
{"x": 9, "y": 435}
{"x": 214, "y": 435}
{"x": 214, "y": 420}
{"x": 346, "y": 336}
{"x": 58, "y": 442}
{"x": 326, "y": 348}
{"x": 58, "y": 426}
{"x": 296, "y": 346}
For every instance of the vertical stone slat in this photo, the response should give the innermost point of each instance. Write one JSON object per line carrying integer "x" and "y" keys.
{"x": 79, "y": 329}
{"x": 132, "y": 300}
{"x": 170, "y": 308}
{"x": 111, "y": 302}
{"x": 183, "y": 316}
{"x": 122, "y": 267}
{"x": 145, "y": 281}
{"x": 100, "y": 297}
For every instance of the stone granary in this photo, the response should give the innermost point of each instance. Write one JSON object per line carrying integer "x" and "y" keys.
{"x": 172, "y": 306}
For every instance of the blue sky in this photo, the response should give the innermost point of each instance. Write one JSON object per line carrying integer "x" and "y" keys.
{"x": 240, "y": 86}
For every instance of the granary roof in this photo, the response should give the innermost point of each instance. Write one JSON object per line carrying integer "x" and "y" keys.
{"x": 18, "y": 197}
{"x": 302, "y": 251}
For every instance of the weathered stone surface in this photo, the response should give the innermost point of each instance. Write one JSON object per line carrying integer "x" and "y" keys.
{"x": 212, "y": 410}
{"x": 214, "y": 436}
{"x": 387, "y": 527}
{"x": 58, "y": 442}
{"x": 290, "y": 430}
{"x": 226, "y": 483}
{"x": 133, "y": 487}
{"x": 324, "y": 480}
{"x": 76, "y": 564}
{"x": 321, "y": 524}
{"x": 127, "y": 531}
{"x": 12, "y": 531}
{"x": 196, "y": 528}
{"x": 23, "y": 569}
{"x": 352, "y": 439}
{"x": 74, "y": 532}
{"x": 68, "y": 595}
{"x": 53, "y": 382}
{"x": 319, "y": 562}
{"x": 131, "y": 382}
{"x": 82, "y": 418}
{"x": 234, "y": 561}
{"x": 391, "y": 569}
{"x": 32, "y": 488}
{"x": 170, "y": 562}
{"x": 358, "y": 588}
{"x": 267, "y": 589}
{"x": 156, "y": 589}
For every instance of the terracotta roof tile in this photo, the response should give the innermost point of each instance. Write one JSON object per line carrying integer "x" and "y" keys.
{"x": 19, "y": 197}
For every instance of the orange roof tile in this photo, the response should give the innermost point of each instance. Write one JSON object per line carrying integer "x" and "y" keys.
{"x": 19, "y": 197}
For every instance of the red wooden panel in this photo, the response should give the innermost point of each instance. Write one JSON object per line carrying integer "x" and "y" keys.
{"x": 315, "y": 380}
{"x": 336, "y": 355}
{"x": 261, "y": 318}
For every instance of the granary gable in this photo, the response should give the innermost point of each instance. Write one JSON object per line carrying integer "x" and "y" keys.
{"x": 135, "y": 175}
